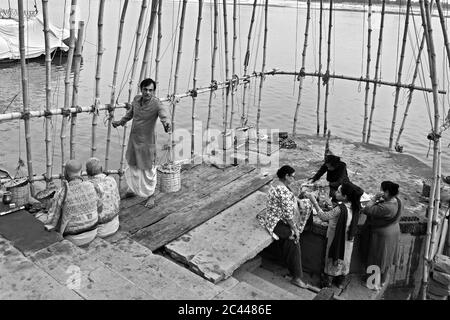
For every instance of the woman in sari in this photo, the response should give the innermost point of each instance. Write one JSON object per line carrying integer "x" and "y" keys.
{"x": 285, "y": 223}
{"x": 342, "y": 226}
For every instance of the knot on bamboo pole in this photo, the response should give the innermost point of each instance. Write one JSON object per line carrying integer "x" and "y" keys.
{"x": 47, "y": 113}
{"x": 301, "y": 74}
{"x": 193, "y": 93}
{"x": 65, "y": 112}
{"x": 246, "y": 80}
{"x": 214, "y": 85}
{"x": 78, "y": 109}
{"x": 25, "y": 115}
{"x": 234, "y": 81}
{"x": 399, "y": 148}
{"x": 94, "y": 109}
{"x": 110, "y": 108}
{"x": 325, "y": 78}
{"x": 433, "y": 136}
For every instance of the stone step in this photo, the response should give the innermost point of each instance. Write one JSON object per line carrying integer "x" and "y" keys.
{"x": 283, "y": 283}
{"x": 155, "y": 274}
{"x": 91, "y": 279}
{"x": 216, "y": 248}
{"x": 274, "y": 291}
{"x": 21, "y": 279}
{"x": 243, "y": 291}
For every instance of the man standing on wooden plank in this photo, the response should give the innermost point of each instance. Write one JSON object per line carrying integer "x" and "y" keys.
{"x": 145, "y": 109}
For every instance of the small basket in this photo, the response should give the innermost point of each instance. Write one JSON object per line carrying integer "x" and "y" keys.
{"x": 20, "y": 191}
{"x": 169, "y": 177}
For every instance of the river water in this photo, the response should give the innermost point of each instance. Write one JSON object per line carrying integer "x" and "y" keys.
{"x": 346, "y": 100}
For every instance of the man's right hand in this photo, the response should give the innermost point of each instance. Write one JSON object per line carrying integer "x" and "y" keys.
{"x": 115, "y": 123}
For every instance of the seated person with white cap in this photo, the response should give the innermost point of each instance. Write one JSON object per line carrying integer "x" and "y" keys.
{"x": 75, "y": 207}
{"x": 108, "y": 219}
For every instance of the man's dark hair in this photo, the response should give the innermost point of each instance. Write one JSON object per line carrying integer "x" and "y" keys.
{"x": 390, "y": 187}
{"x": 147, "y": 82}
{"x": 332, "y": 159}
{"x": 284, "y": 171}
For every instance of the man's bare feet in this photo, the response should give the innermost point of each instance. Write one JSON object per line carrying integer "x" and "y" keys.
{"x": 299, "y": 283}
{"x": 150, "y": 202}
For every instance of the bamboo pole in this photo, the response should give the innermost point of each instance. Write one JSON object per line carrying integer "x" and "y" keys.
{"x": 246, "y": 62}
{"x": 97, "y": 75}
{"x": 426, "y": 19}
{"x": 258, "y": 116}
{"x": 320, "y": 68}
{"x": 327, "y": 87}
{"x": 194, "y": 96}
{"x": 48, "y": 91}
{"x": 360, "y": 79}
{"x": 43, "y": 177}
{"x": 377, "y": 66}
{"x": 213, "y": 63}
{"x": 144, "y": 6}
{"x": 175, "y": 82}
{"x": 366, "y": 95}
{"x": 148, "y": 44}
{"x": 114, "y": 82}
{"x": 305, "y": 45}
{"x": 158, "y": 44}
{"x": 233, "y": 58}
{"x": 443, "y": 235}
{"x": 76, "y": 79}
{"x": 399, "y": 74}
{"x": 24, "y": 76}
{"x": 444, "y": 28}
{"x": 408, "y": 103}
{"x": 227, "y": 78}
{"x": 67, "y": 84}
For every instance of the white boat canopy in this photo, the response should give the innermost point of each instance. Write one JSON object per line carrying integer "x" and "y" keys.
{"x": 34, "y": 38}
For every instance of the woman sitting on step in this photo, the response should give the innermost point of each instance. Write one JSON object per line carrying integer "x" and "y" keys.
{"x": 285, "y": 222}
{"x": 342, "y": 226}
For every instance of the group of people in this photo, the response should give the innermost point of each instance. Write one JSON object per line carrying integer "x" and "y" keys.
{"x": 83, "y": 209}
{"x": 287, "y": 214}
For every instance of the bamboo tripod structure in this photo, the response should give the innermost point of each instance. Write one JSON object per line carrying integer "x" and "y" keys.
{"x": 148, "y": 44}
{"x": 246, "y": 62}
{"x": 24, "y": 75}
{"x": 399, "y": 75}
{"x": 194, "y": 83}
{"x": 327, "y": 87}
{"x": 377, "y": 67}
{"x": 67, "y": 84}
{"x": 175, "y": 82}
{"x": 301, "y": 78}
{"x": 366, "y": 95}
{"x": 114, "y": 83}
{"x": 76, "y": 80}
{"x": 320, "y": 68}
{"x": 48, "y": 91}
{"x": 98, "y": 73}
{"x": 144, "y": 6}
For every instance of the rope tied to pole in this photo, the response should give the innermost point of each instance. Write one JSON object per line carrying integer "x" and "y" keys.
{"x": 193, "y": 93}
{"x": 65, "y": 112}
{"x": 433, "y": 136}
{"x": 234, "y": 82}
{"x": 325, "y": 78}
{"x": 25, "y": 115}
{"x": 301, "y": 74}
{"x": 214, "y": 86}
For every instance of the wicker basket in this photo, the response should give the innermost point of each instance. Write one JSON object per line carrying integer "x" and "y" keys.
{"x": 169, "y": 177}
{"x": 20, "y": 191}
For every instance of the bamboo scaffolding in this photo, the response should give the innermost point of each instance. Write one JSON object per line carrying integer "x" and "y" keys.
{"x": 24, "y": 76}
{"x": 114, "y": 82}
{"x": 213, "y": 63}
{"x": 360, "y": 79}
{"x": 261, "y": 82}
{"x": 327, "y": 87}
{"x": 399, "y": 74}
{"x": 408, "y": 103}
{"x": 76, "y": 79}
{"x": 67, "y": 83}
{"x": 148, "y": 44}
{"x": 444, "y": 28}
{"x": 43, "y": 177}
{"x": 246, "y": 62}
{"x": 194, "y": 83}
{"x": 144, "y": 6}
{"x": 233, "y": 58}
{"x": 305, "y": 45}
{"x": 377, "y": 66}
{"x": 320, "y": 67}
{"x": 432, "y": 210}
{"x": 175, "y": 82}
{"x": 98, "y": 73}
{"x": 366, "y": 95}
{"x": 48, "y": 90}
{"x": 227, "y": 78}
{"x": 158, "y": 44}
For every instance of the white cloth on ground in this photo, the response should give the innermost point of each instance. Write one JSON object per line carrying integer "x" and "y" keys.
{"x": 141, "y": 182}
{"x": 109, "y": 228}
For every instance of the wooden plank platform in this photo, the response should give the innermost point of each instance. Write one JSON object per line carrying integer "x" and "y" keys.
{"x": 185, "y": 219}
{"x": 222, "y": 244}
